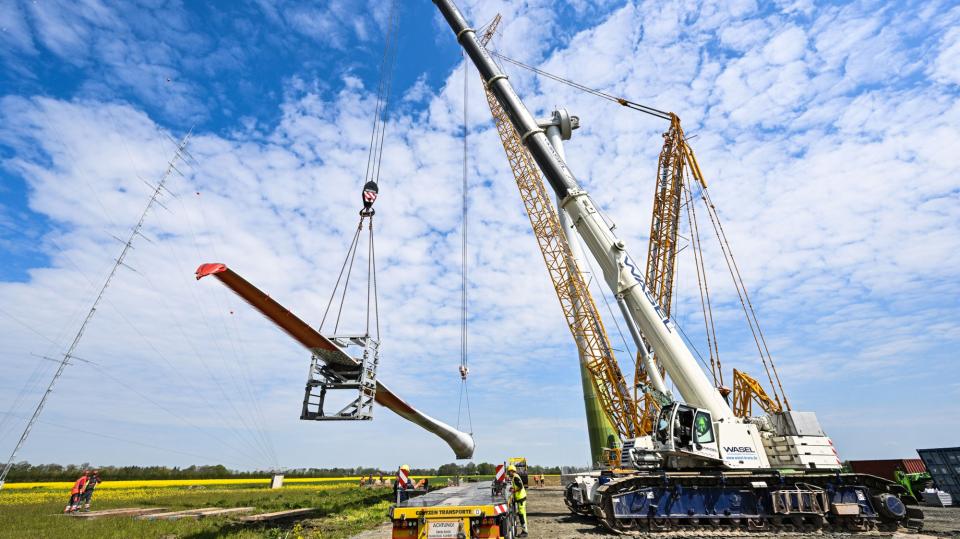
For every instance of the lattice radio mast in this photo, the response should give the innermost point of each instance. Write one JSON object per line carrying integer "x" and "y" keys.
{"x": 157, "y": 190}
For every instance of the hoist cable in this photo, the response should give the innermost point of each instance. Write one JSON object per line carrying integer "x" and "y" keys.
{"x": 745, "y": 302}
{"x": 752, "y": 320}
{"x": 375, "y": 150}
{"x": 619, "y": 100}
{"x": 464, "y": 214}
{"x": 706, "y": 306}
{"x": 371, "y": 176}
{"x": 388, "y": 75}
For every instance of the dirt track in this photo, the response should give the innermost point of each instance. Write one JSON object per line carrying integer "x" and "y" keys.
{"x": 550, "y": 519}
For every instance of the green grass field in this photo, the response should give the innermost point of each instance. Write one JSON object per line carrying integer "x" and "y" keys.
{"x": 343, "y": 509}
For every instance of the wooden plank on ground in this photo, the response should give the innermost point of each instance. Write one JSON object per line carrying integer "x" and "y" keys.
{"x": 227, "y": 511}
{"x": 173, "y": 514}
{"x": 196, "y": 513}
{"x": 277, "y": 515}
{"x": 120, "y": 512}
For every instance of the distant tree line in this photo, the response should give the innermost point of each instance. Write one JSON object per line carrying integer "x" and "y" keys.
{"x": 26, "y": 472}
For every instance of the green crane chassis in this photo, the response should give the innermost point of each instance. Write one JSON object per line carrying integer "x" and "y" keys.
{"x": 763, "y": 500}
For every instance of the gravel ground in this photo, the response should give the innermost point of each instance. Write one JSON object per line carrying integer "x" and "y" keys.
{"x": 550, "y": 519}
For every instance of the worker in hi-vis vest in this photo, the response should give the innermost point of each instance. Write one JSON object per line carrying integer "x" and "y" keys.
{"x": 519, "y": 496}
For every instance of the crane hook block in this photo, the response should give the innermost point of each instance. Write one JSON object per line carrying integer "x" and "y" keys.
{"x": 370, "y": 191}
{"x": 464, "y": 371}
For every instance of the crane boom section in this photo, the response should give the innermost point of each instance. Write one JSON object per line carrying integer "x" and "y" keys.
{"x": 621, "y": 273}
{"x": 577, "y": 303}
{"x": 665, "y": 222}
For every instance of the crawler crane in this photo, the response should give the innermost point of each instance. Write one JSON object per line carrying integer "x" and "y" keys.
{"x": 703, "y": 465}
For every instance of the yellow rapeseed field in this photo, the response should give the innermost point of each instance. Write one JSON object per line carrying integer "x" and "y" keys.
{"x": 122, "y": 491}
{"x": 161, "y": 483}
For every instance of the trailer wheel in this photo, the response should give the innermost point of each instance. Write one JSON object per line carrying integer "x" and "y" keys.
{"x": 508, "y": 523}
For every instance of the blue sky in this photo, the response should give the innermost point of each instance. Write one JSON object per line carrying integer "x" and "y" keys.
{"x": 828, "y": 133}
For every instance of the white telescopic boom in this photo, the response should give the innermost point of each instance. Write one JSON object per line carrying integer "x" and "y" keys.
{"x": 619, "y": 270}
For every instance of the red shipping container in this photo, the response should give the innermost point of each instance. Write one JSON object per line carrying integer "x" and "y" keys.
{"x": 885, "y": 468}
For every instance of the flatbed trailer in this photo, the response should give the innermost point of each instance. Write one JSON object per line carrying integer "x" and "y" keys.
{"x": 467, "y": 511}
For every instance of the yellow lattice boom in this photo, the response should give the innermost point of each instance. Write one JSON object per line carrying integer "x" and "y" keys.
{"x": 746, "y": 391}
{"x": 665, "y": 223}
{"x": 576, "y": 302}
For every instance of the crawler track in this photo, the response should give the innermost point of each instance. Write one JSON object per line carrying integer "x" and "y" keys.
{"x": 705, "y": 504}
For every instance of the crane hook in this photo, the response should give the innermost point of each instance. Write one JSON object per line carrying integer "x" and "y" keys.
{"x": 370, "y": 190}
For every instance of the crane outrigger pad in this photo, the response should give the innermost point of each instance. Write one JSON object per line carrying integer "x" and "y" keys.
{"x": 334, "y": 358}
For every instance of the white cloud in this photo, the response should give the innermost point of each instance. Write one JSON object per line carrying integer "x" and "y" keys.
{"x": 840, "y": 201}
{"x": 787, "y": 46}
{"x": 946, "y": 68}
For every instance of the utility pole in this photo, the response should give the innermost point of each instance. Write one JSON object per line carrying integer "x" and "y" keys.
{"x": 157, "y": 190}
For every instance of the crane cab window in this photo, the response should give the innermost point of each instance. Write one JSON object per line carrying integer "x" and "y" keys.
{"x": 663, "y": 425}
{"x": 703, "y": 428}
{"x": 682, "y": 431}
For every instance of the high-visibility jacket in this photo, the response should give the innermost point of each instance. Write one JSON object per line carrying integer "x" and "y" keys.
{"x": 519, "y": 492}
{"x": 79, "y": 485}
{"x": 92, "y": 483}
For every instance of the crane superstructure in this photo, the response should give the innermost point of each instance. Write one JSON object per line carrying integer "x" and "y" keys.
{"x": 609, "y": 402}
{"x": 711, "y": 467}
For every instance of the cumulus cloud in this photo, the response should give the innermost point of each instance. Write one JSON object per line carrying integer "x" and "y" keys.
{"x": 946, "y": 68}
{"x": 837, "y": 188}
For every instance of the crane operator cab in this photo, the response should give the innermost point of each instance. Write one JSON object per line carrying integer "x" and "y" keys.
{"x": 685, "y": 431}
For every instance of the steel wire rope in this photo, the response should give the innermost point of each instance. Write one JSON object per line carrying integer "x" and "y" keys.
{"x": 166, "y": 360}
{"x": 107, "y": 300}
{"x": 372, "y": 285}
{"x": 464, "y": 256}
{"x": 393, "y": 45}
{"x": 242, "y": 383}
{"x": 216, "y": 409}
{"x": 34, "y": 380}
{"x": 180, "y": 417}
{"x": 351, "y": 256}
{"x": 744, "y": 297}
{"x": 252, "y": 442}
{"x": 624, "y": 102}
{"x": 103, "y": 209}
{"x": 258, "y": 440}
{"x": 29, "y": 386}
{"x": 746, "y": 303}
{"x": 372, "y": 171}
{"x": 202, "y": 310}
{"x": 343, "y": 268}
{"x": 252, "y": 403}
{"x": 105, "y": 372}
{"x": 705, "y": 304}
